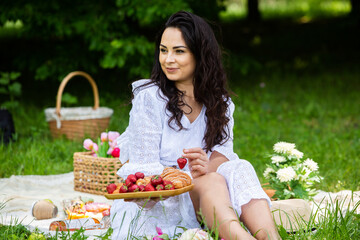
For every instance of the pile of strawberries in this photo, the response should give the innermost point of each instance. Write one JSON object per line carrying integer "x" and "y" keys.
{"x": 139, "y": 183}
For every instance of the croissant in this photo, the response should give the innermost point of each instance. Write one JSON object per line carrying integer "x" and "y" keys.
{"x": 168, "y": 170}
{"x": 177, "y": 177}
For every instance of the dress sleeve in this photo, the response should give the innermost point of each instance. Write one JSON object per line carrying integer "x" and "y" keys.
{"x": 140, "y": 143}
{"x": 227, "y": 149}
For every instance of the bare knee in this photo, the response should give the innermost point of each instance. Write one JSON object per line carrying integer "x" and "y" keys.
{"x": 204, "y": 185}
{"x": 209, "y": 182}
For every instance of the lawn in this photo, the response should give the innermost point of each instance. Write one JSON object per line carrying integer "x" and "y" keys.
{"x": 294, "y": 81}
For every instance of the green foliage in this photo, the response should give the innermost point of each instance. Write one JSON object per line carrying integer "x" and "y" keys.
{"x": 14, "y": 232}
{"x": 304, "y": 10}
{"x": 69, "y": 99}
{"x": 90, "y": 35}
{"x": 335, "y": 221}
{"x": 10, "y": 87}
{"x": 290, "y": 175}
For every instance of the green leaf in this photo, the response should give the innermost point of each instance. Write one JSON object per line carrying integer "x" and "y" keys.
{"x": 69, "y": 99}
{"x": 15, "y": 89}
{"x": 117, "y": 44}
{"x": 4, "y": 81}
{"x": 5, "y": 76}
{"x": 14, "y": 75}
{"x": 3, "y": 90}
{"x": 109, "y": 61}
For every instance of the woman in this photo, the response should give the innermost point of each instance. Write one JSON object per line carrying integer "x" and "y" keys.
{"x": 185, "y": 110}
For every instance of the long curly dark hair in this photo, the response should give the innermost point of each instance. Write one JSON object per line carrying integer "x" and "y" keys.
{"x": 209, "y": 77}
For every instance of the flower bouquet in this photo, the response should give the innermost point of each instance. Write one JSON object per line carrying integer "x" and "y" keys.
{"x": 105, "y": 146}
{"x": 289, "y": 175}
{"x": 96, "y": 169}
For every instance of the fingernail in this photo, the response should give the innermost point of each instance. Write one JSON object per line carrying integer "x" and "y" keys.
{"x": 185, "y": 150}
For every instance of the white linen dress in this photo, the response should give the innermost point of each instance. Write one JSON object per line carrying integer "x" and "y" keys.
{"x": 150, "y": 144}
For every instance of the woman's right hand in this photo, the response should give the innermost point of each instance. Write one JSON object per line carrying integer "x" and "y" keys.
{"x": 198, "y": 161}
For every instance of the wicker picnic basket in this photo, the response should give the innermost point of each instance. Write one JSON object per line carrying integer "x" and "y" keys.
{"x": 78, "y": 122}
{"x": 93, "y": 174}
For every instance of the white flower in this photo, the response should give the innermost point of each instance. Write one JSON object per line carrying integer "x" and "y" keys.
{"x": 312, "y": 165}
{"x": 195, "y": 234}
{"x": 286, "y": 174}
{"x": 278, "y": 159}
{"x": 283, "y": 147}
{"x": 296, "y": 153}
{"x": 268, "y": 171}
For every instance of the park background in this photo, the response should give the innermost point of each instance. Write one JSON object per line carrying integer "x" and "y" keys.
{"x": 293, "y": 69}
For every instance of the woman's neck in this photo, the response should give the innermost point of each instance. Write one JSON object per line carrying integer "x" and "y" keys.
{"x": 187, "y": 89}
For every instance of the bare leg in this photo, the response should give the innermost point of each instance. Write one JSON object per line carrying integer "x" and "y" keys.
{"x": 257, "y": 218}
{"x": 211, "y": 196}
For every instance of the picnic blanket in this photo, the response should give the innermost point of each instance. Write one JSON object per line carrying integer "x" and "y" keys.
{"x": 20, "y": 192}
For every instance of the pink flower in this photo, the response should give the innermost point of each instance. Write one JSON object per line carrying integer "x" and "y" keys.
{"x": 88, "y": 144}
{"x": 104, "y": 137}
{"x": 112, "y": 135}
{"x": 95, "y": 147}
{"x": 159, "y": 231}
{"x": 112, "y": 144}
{"x": 109, "y": 151}
{"x": 161, "y": 235}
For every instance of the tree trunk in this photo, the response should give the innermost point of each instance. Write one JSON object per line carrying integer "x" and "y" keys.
{"x": 253, "y": 10}
{"x": 355, "y": 8}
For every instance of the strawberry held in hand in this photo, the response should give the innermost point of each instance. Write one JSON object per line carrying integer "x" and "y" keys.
{"x": 182, "y": 162}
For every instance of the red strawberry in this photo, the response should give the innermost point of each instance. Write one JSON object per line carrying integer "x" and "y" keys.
{"x": 142, "y": 188}
{"x": 116, "y": 152}
{"x": 132, "y": 178}
{"x": 182, "y": 162}
{"x": 160, "y": 187}
{"x": 149, "y": 188}
{"x": 123, "y": 189}
{"x": 139, "y": 175}
{"x": 168, "y": 185}
{"x": 111, "y": 188}
{"x": 156, "y": 180}
{"x": 134, "y": 188}
{"x": 128, "y": 183}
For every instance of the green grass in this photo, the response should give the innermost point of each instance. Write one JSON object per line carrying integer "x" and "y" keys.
{"x": 317, "y": 111}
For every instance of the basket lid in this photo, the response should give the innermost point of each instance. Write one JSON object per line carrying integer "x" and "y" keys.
{"x": 77, "y": 113}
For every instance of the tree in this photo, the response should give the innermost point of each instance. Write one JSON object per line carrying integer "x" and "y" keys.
{"x": 61, "y": 36}
{"x": 253, "y": 11}
{"x": 355, "y": 8}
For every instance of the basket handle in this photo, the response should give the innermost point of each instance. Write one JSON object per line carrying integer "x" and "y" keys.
{"x": 67, "y": 79}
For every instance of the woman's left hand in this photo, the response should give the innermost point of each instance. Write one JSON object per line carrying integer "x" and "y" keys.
{"x": 198, "y": 161}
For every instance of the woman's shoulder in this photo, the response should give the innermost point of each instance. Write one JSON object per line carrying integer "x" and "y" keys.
{"x": 142, "y": 84}
{"x": 147, "y": 87}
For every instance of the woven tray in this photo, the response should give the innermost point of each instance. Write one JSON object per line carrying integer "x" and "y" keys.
{"x": 78, "y": 122}
{"x": 93, "y": 174}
